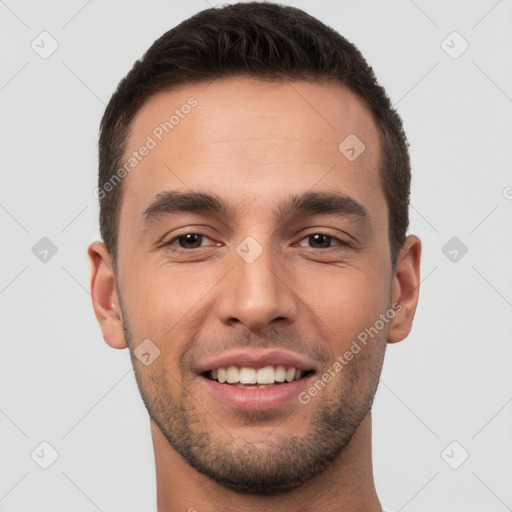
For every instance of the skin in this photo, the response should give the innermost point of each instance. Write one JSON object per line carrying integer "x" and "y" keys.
{"x": 253, "y": 144}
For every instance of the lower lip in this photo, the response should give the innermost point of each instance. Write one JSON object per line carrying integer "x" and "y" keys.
{"x": 259, "y": 399}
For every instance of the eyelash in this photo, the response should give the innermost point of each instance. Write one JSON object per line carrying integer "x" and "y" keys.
{"x": 339, "y": 241}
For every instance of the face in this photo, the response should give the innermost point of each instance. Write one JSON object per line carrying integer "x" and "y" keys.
{"x": 251, "y": 248}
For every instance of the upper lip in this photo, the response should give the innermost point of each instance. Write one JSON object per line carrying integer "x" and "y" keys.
{"x": 254, "y": 358}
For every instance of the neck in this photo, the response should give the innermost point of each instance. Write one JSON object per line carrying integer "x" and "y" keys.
{"x": 346, "y": 486}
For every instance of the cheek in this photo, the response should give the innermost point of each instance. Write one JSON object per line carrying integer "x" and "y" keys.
{"x": 350, "y": 300}
{"x": 165, "y": 304}
{"x": 151, "y": 292}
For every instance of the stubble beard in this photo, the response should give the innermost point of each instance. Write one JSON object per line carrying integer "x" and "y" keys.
{"x": 267, "y": 466}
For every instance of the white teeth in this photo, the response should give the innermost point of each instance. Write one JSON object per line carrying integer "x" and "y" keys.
{"x": 253, "y": 386}
{"x": 247, "y": 377}
{"x": 280, "y": 375}
{"x": 266, "y": 375}
{"x": 232, "y": 374}
{"x": 290, "y": 374}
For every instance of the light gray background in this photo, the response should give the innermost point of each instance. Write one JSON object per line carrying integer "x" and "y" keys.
{"x": 449, "y": 381}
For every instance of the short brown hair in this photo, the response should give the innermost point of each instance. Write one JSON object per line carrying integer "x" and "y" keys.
{"x": 261, "y": 40}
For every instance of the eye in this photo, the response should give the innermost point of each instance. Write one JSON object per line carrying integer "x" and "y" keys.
{"x": 188, "y": 241}
{"x": 321, "y": 241}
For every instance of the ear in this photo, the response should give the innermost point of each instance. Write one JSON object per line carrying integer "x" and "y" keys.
{"x": 405, "y": 289}
{"x": 104, "y": 295}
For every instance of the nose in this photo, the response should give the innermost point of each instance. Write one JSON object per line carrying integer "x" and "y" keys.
{"x": 257, "y": 293}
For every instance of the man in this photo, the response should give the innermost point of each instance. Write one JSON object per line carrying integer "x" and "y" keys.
{"x": 254, "y": 187}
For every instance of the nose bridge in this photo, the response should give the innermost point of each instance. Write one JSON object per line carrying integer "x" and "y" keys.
{"x": 256, "y": 294}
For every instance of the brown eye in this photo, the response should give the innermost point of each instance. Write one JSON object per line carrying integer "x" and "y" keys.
{"x": 190, "y": 241}
{"x": 321, "y": 241}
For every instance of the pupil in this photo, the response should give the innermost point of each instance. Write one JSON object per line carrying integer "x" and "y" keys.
{"x": 186, "y": 241}
{"x": 319, "y": 239}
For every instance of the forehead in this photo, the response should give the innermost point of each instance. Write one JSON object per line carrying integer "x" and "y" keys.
{"x": 253, "y": 137}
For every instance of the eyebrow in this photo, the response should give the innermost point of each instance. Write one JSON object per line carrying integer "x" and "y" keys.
{"x": 169, "y": 202}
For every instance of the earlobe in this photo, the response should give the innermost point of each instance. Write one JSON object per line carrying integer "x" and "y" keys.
{"x": 406, "y": 287}
{"x": 105, "y": 301}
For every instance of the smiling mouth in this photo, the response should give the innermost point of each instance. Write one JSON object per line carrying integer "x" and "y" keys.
{"x": 255, "y": 378}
